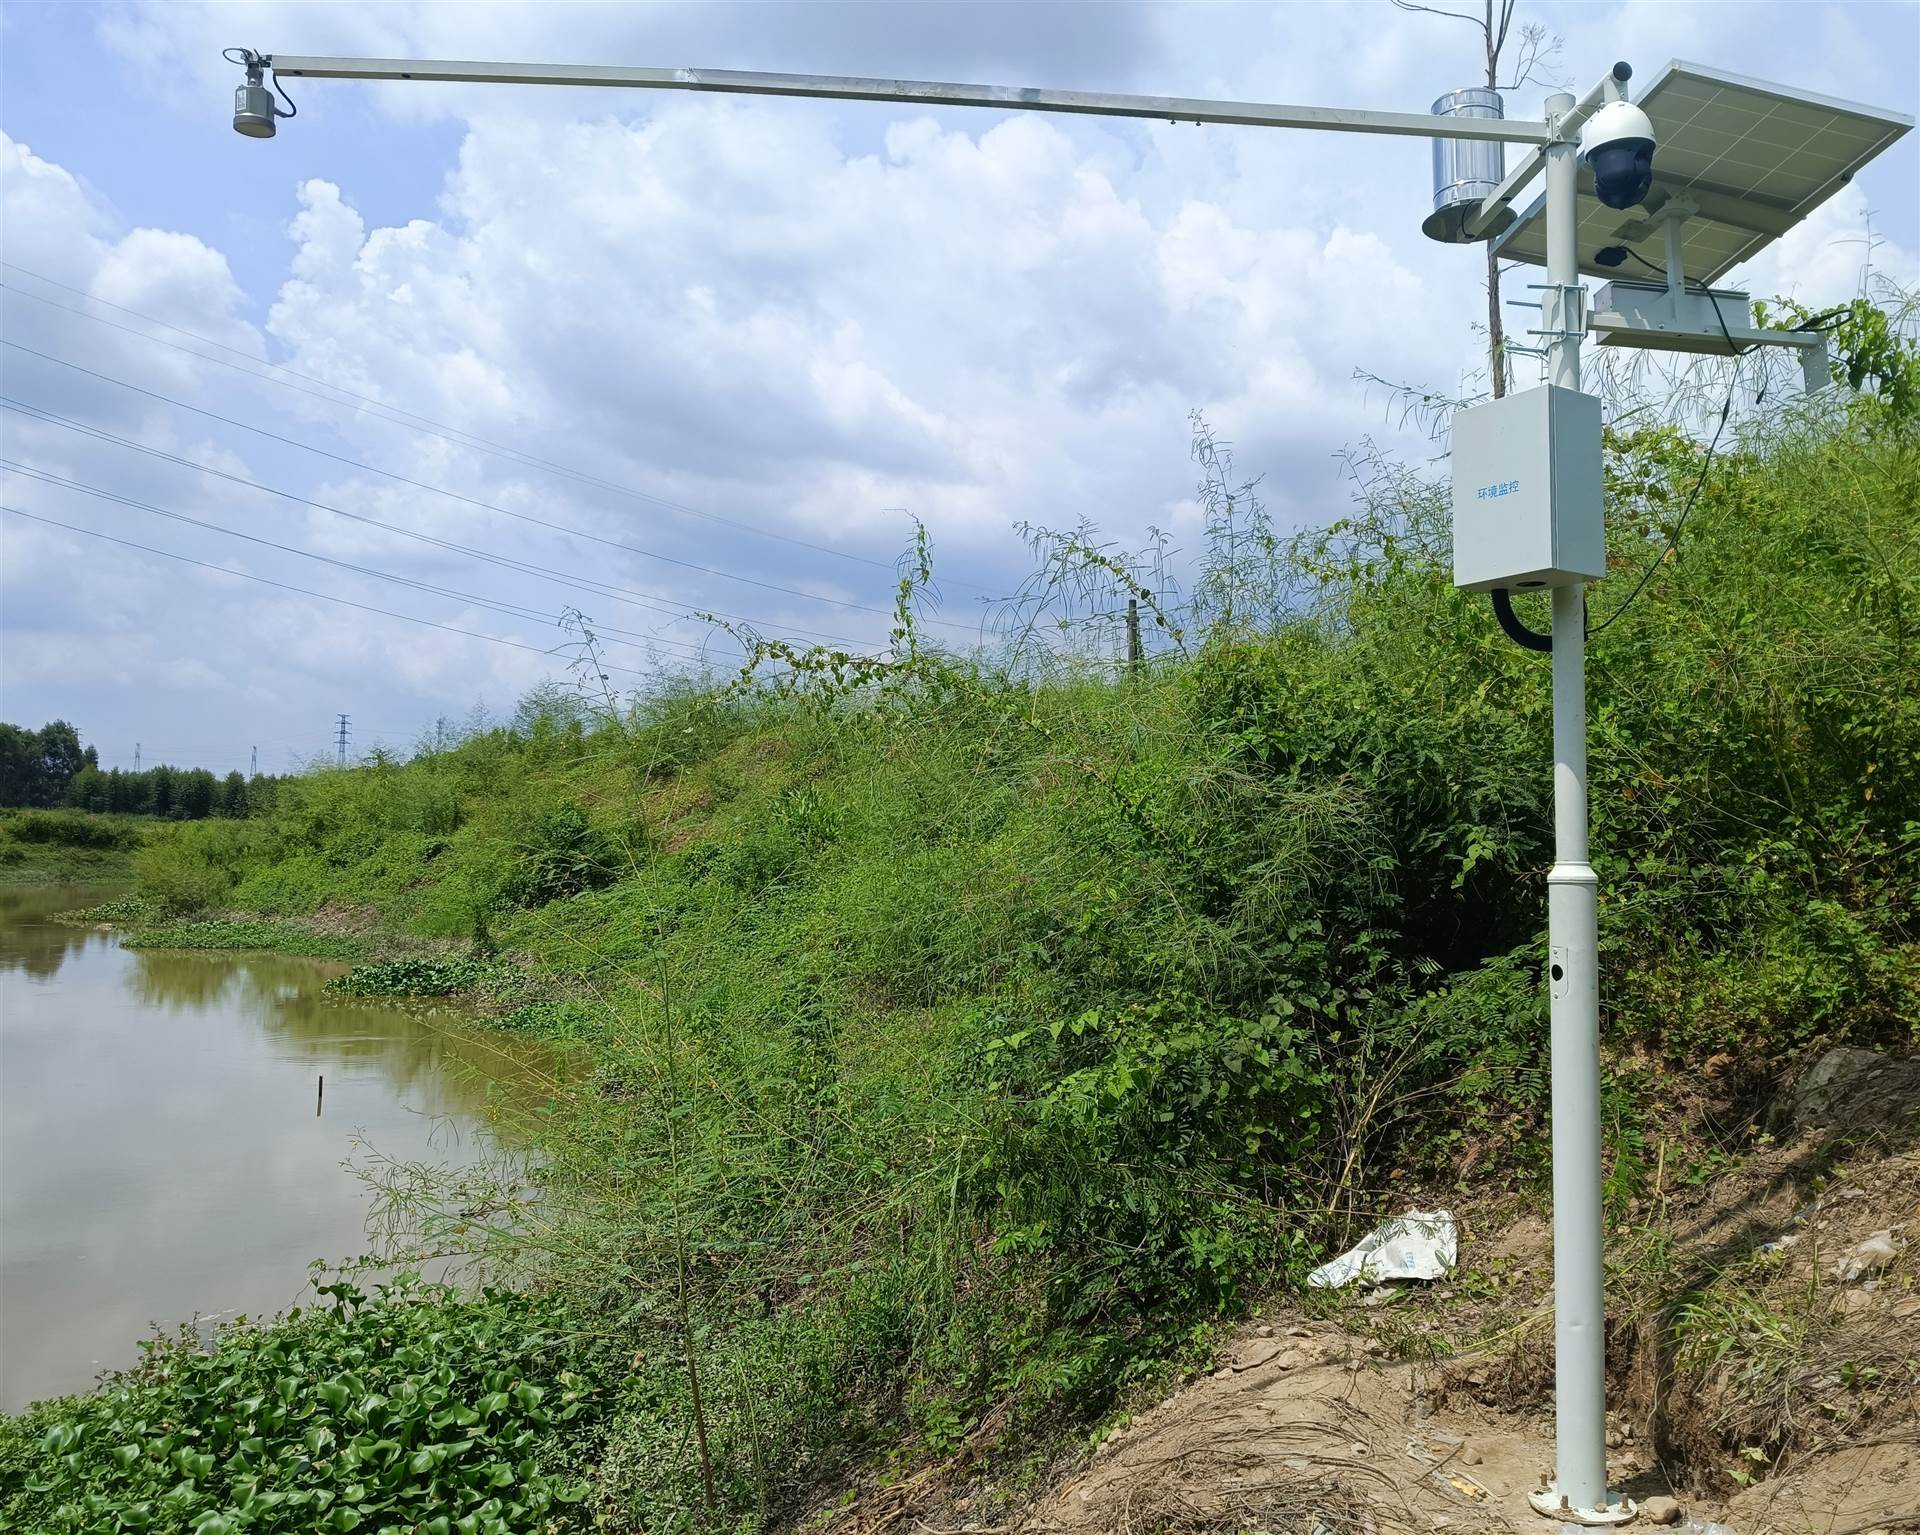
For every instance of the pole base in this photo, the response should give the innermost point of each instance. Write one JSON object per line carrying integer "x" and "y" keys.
{"x": 1547, "y": 1502}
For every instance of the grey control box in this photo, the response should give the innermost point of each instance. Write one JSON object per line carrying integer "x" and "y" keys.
{"x": 1527, "y": 491}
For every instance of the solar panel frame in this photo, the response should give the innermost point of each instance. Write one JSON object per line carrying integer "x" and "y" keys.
{"x": 1723, "y": 138}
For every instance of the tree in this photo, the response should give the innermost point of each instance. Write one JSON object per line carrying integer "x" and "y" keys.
{"x": 233, "y": 795}
{"x": 87, "y": 789}
{"x": 123, "y": 792}
{"x": 1537, "y": 49}
{"x": 196, "y": 794}
{"x": 61, "y": 756}
{"x": 19, "y": 765}
{"x": 160, "y": 790}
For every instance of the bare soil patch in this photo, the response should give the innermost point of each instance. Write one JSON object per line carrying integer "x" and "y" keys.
{"x": 1764, "y": 1353}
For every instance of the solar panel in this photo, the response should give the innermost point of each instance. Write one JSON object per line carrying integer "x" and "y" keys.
{"x": 1754, "y": 159}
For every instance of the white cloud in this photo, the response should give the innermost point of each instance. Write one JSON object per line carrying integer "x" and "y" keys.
{"x": 1828, "y": 258}
{"x": 721, "y": 301}
{"x": 798, "y": 316}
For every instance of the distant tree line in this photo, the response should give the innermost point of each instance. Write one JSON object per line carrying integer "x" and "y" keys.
{"x": 50, "y": 767}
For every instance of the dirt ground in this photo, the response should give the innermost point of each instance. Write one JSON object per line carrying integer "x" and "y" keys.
{"x": 1763, "y": 1355}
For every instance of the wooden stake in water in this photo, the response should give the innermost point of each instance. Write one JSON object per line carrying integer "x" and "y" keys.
{"x": 319, "y": 1096}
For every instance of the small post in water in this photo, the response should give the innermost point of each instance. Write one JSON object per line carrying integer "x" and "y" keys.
{"x": 319, "y": 1096}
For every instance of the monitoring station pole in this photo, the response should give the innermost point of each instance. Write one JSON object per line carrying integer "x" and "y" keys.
{"x": 1573, "y": 943}
{"x": 1527, "y": 499}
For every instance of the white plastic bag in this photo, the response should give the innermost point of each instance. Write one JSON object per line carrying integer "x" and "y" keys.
{"x": 1422, "y": 1244}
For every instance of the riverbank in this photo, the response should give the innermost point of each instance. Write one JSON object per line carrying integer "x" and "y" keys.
{"x": 68, "y": 847}
{"x": 386, "y": 964}
{"x": 182, "y": 1132}
{"x": 966, "y": 1050}
{"x": 144, "y": 923}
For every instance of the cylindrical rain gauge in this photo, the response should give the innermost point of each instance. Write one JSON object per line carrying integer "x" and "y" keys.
{"x": 1465, "y": 171}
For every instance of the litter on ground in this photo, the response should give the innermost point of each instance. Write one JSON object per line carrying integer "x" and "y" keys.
{"x": 1422, "y": 1244}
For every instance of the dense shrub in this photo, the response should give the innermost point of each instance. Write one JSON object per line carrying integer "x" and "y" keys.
{"x": 196, "y": 866}
{"x": 72, "y": 828}
{"x": 561, "y": 854}
{"x": 411, "y": 1409}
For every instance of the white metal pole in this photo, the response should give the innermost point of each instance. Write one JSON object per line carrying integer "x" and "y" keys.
{"x": 1572, "y": 936}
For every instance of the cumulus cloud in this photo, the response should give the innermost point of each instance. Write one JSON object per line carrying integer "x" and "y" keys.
{"x": 795, "y": 318}
{"x": 742, "y": 312}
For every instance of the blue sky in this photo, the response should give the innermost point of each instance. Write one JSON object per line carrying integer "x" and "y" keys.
{"x": 758, "y": 329}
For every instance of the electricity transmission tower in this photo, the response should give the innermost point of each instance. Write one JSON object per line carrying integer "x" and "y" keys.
{"x": 253, "y": 768}
{"x": 340, "y": 739}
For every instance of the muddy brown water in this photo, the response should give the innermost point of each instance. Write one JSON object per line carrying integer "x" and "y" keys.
{"x": 160, "y": 1154}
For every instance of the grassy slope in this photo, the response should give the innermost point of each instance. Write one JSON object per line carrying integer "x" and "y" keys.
{"x": 961, "y": 1048}
{"x": 59, "y": 847}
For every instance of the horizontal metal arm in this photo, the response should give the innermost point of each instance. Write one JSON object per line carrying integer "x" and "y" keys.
{"x": 928, "y": 93}
{"x": 1511, "y": 187}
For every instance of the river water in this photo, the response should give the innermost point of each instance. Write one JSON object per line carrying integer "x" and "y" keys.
{"x": 161, "y": 1156}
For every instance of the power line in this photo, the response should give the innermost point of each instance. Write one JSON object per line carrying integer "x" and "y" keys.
{"x": 572, "y": 581}
{"x": 453, "y": 495}
{"x": 399, "y": 416}
{"x": 508, "y": 609}
{"x": 425, "y": 623}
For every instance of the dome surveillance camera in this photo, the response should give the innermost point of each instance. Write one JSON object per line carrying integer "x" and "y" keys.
{"x": 1617, "y": 144}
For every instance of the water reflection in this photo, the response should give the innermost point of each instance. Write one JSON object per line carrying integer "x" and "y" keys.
{"x": 160, "y": 1154}
{"x": 44, "y": 946}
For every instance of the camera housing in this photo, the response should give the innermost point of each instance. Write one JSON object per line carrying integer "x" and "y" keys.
{"x": 253, "y": 111}
{"x": 1617, "y": 145}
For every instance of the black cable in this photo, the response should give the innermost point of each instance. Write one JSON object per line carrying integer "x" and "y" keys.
{"x": 1673, "y": 540}
{"x": 1706, "y": 292}
{"x": 1510, "y": 625}
{"x": 1826, "y": 320}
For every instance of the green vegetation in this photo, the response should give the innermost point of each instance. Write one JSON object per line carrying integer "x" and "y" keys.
{"x": 227, "y": 933}
{"x": 418, "y": 1411}
{"x": 49, "y": 767}
{"x": 36, "y": 766}
{"x": 962, "y": 1041}
{"x": 42, "y": 846}
{"x": 412, "y": 978}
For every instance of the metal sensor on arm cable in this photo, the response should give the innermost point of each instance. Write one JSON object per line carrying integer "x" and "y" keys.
{"x": 254, "y": 109}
